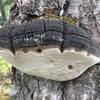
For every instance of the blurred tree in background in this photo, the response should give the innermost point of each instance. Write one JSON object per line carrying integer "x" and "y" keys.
{"x": 4, "y": 10}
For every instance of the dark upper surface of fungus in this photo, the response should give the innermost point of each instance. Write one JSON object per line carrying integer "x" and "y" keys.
{"x": 49, "y": 34}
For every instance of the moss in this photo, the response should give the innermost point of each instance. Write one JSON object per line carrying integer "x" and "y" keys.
{"x": 67, "y": 19}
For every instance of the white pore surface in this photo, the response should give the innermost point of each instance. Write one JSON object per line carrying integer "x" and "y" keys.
{"x": 51, "y": 63}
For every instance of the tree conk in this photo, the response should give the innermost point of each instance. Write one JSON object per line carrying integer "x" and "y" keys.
{"x": 50, "y": 49}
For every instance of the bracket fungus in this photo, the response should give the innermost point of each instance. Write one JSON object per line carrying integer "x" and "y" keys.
{"x": 49, "y": 48}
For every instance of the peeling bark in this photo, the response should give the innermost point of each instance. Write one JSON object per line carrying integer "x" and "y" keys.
{"x": 85, "y": 87}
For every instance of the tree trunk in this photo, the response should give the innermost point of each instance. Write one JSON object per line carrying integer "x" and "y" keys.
{"x": 86, "y": 86}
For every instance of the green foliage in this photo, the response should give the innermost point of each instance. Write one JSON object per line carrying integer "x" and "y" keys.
{"x": 7, "y": 2}
{"x": 7, "y": 5}
{"x": 4, "y": 66}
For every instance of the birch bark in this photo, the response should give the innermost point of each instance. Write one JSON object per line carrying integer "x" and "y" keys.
{"x": 85, "y": 87}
